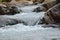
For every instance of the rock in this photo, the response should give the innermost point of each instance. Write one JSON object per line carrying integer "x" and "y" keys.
{"x": 38, "y": 1}
{"x": 53, "y": 15}
{"x": 41, "y": 1}
{"x": 35, "y": 2}
{"x": 10, "y": 2}
{"x": 51, "y": 25}
{"x": 8, "y": 21}
{"x": 13, "y": 2}
{"x": 26, "y": 3}
{"x": 58, "y": 1}
{"x": 39, "y": 9}
{"x": 2, "y": 5}
{"x": 45, "y": 6}
{"x": 6, "y": 0}
{"x": 54, "y": 39}
{"x": 49, "y": 4}
{"x": 47, "y": 1}
{"x": 13, "y": 10}
{"x": 10, "y": 10}
{"x": 3, "y": 10}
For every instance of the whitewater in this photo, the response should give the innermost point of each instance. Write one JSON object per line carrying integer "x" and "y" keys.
{"x": 31, "y": 31}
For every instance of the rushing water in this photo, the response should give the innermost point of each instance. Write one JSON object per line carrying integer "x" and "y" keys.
{"x": 28, "y": 32}
{"x": 29, "y": 8}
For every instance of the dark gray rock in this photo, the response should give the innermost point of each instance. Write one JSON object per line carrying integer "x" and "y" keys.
{"x": 8, "y": 21}
{"x": 51, "y": 25}
{"x": 54, "y": 39}
{"x": 6, "y": 0}
{"x": 37, "y": 9}
{"x": 13, "y": 10}
{"x": 8, "y": 10}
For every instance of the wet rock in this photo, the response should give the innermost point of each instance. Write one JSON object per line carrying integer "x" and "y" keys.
{"x": 53, "y": 15}
{"x": 41, "y": 1}
{"x": 38, "y": 1}
{"x": 13, "y": 10}
{"x": 6, "y": 0}
{"x": 10, "y": 10}
{"x": 49, "y": 4}
{"x": 45, "y": 6}
{"x": 39, "y": 9}
{"x": 2, "y": 5}
{"x": 51, "y": 25}
{"x": 27, "y": 3}
{"x": 58, "y": 1}
{"x": 8, "y": 21}
{"x": 3, "y": 10}
{"x": 35, "y": 3}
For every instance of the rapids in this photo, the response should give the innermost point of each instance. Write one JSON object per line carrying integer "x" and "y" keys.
{"x": 31, "y": 31}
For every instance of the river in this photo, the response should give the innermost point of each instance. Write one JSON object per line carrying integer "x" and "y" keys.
{"x": 31, "y": 31}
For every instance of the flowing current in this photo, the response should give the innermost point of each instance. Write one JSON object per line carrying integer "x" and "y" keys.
{"x": 28, "y": 32}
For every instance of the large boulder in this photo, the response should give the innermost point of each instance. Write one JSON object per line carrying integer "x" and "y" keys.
{"x": 53, "y": 15}
{"x": 45, "y": 6}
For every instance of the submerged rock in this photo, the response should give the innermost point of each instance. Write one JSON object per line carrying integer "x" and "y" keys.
{"x": 53, "y": 15}
{"x": 8, "y": 21}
